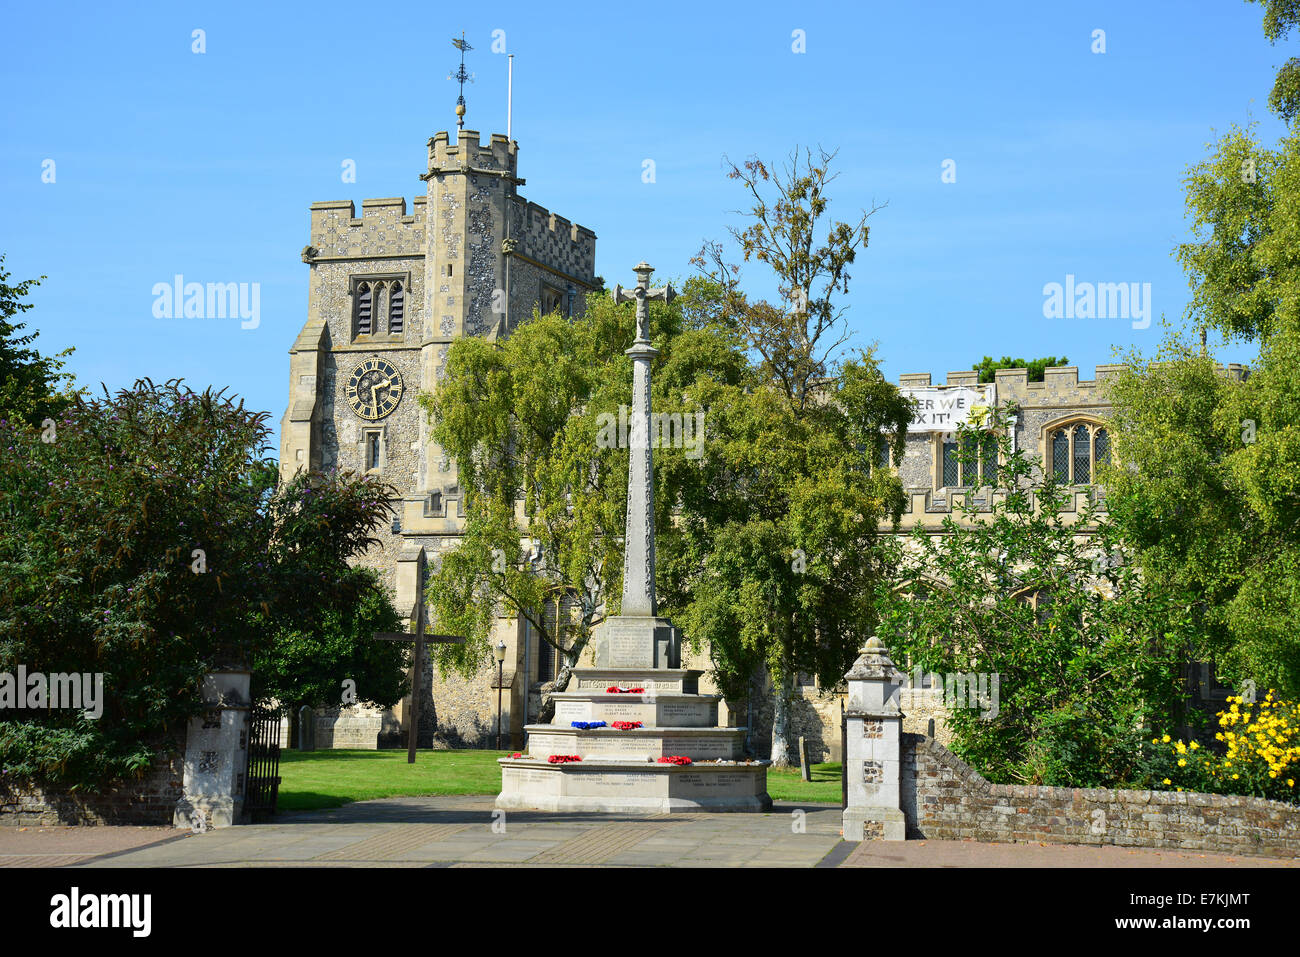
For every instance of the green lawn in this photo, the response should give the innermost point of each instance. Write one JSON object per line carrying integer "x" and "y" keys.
{"x": 787, "y": 785}
{"x": 312, "y": 780}
{"x": 318, "y": 779}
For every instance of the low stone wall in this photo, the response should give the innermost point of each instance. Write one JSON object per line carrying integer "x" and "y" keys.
{"x": 150, "y": 799}
{"x": 943, "y": 798}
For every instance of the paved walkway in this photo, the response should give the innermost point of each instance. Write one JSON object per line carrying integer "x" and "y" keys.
{"x": 464, "y": 832}
{"x": 61, "y": 846}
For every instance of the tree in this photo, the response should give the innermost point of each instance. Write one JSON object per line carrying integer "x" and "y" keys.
{"x": 777, "y": 549}
{"x": 798, "y": 340}
{"x": 144, "y": 538}
{"x": 776, "y": 556}
{"x": 1280, "y": 17}
{"x": 531, "y": 422}
{"x": 329, "y": 657}
{"x": 29, "y": 382}
{"x": 1055, "y": 656}
{"x": 988, "y": 367}
{"x": 1209, "y": 495}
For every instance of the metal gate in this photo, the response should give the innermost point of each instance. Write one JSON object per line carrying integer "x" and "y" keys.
{"x": 263, "y": 762}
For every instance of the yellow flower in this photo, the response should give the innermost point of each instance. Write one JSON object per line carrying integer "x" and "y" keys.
{"x": 1234, "y": 777}
{"x": 1167, "y": 781}
{"x": 1155, "y": 740}
{"x": 1165, "y": 739}
{"x": 1182, "y": 762}
{"x": 1194, "y": 745}
{"x": 1180, "y": 748}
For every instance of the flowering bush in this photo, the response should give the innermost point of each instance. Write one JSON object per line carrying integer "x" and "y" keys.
{"x": 626, "y": 725}
{"x": 674, "y": 759}
{"x": 564, "y": 758}
{"x": 1261, "y": 757}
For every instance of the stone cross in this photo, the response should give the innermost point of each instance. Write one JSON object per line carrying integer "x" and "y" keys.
{"x": 639, "y": 550}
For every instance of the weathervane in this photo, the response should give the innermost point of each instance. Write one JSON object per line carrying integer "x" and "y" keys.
{"x": 461, "y": 76}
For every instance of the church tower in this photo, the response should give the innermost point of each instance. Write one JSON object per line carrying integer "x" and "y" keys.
{"x": 388, "y": 292}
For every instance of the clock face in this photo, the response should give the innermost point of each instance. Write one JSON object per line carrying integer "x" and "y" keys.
{"x": 374, "y": 389}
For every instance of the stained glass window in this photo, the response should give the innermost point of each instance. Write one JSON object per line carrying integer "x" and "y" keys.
{"x": 1082, "y": 455}
{"x": 949, "y": 462}
{"x": 1061, "y": 456}
{"x": 1101, "y": 447}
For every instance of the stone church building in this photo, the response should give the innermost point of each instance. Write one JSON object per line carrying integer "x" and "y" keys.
{"x": 388, "y": 292}
{"x": 390, "y": 289}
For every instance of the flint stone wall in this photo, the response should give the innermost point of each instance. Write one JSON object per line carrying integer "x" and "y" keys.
{"x": 943, "y": 798}
{"x": 150, "y": 799}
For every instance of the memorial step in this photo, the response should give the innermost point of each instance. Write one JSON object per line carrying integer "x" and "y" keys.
{"x": 698, "y": 744}
{"x": 621, "y": 787}
{"x": 660, "y": 680}
{"x": 652, "y": 710}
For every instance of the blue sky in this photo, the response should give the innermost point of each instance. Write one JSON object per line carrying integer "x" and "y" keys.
{"x": 167, "y": 161}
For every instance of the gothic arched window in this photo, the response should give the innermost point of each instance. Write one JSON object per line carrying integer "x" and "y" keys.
{"x": 1075, "y": 449}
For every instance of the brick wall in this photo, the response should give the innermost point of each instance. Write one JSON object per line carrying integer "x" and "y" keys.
{"x": 945, "y": 799}
{"x": 150, "y": 799}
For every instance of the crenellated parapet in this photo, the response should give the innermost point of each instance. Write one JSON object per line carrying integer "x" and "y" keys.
{"x": 384, "y": 228}
{"x": 552, "y": 240}
{"x": 1058, "y": 381}
{"x": 468, "y": 155}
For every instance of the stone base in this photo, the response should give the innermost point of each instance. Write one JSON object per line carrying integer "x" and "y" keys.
{"x": 632, "y": 641}
{"x": 203, "y": 815}
{"x": 874, "y": 824}
{"x": 628, "y": 787}
{"x": 699, "y": 744}
{"x": 652, "y": 709}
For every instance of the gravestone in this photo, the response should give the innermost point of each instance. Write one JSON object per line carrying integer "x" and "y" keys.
{"x": 306, "y": 729}
{"x": 638, "y": 680}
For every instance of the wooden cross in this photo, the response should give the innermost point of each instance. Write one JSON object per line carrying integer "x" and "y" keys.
{"x": 420, "y": 638}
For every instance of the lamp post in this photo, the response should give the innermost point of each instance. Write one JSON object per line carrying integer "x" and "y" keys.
{"x": 500, "y": 652}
